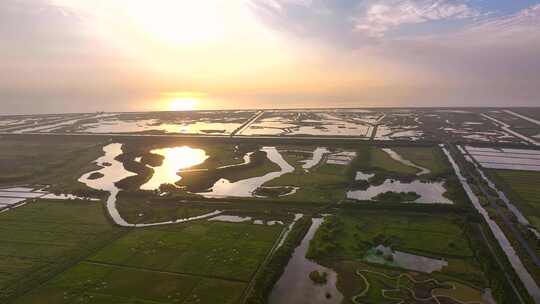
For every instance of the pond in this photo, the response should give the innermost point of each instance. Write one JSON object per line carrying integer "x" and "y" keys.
{"x": 510, "y": 159}
{"x": 295, "y": 286}
{"x": 404, "y": 260}
{"x": 175, "y": 159}
{"x": 430, "y": 192}
{"x": 361, "y": 176}
{"x": 134, "y": 126}
{"x": 246, "y": 187}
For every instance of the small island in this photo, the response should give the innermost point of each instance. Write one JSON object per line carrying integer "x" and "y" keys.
{"x": 95, "y": 175}
{"x": 396, "y": 197}
{"x": 318, "y": 277}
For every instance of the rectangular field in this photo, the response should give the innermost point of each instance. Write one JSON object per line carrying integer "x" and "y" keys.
{"x": 522, "y": 189}
{"x": 40, "y": 238}
{"x": 203, "y": 262}
{"x": 430, "y": 158}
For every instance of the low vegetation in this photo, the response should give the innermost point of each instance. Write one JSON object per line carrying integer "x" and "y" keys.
{"x": 42, "y": 239}
{"x": 318, "y": 277}
{"x": 522, "y": 189}
{"x": 396, "y": 197}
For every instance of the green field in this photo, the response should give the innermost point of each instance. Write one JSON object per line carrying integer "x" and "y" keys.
{"x": 522, "y": 189}
{"x": 214, "y": 249}
{"x": 140, "y": 209}
{"x": 104, "y": 284}
{"x": 381, "y": 160}
{"x": 430, "y": 158}
{"x": 53, "y": 161}
{"x": 440, "y": 236}
{"x": 40, "y": 239}
{"x": 200, "y": 262}
{"x": 325, "y": 183}
{"x": 374, "y": 159}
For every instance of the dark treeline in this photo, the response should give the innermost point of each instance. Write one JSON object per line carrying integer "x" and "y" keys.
{"x": 265, "y": 280}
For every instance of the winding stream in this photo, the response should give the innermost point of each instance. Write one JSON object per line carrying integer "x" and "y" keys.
{"x": 316, "y": 159}
{"x": 246, "y": 187}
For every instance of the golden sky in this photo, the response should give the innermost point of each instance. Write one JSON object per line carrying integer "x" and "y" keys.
{"x": 169, "y": 54}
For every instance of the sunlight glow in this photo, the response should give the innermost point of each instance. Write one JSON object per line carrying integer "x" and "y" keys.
{"x": 183, "y": 104}
{"x": 176, "y": 159}
{"x": 178, "y": 23}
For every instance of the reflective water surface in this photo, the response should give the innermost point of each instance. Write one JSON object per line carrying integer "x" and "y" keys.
{"x": 246, "y": 187}
{"x": 295, "y": 286}
{"x": 404, "y": 260}
{"x": 430, "y": 192}
{"x": 175, "y": 159}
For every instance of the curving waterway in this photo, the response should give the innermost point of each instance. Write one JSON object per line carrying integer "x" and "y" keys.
{"x": 113, "y": 171}
{"x": 246, "y": 187}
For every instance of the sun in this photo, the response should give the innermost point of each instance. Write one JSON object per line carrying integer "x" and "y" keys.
{"x": 183, "y": 104}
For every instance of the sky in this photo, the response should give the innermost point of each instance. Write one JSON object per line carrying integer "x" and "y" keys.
{"x": 138, "y": 55}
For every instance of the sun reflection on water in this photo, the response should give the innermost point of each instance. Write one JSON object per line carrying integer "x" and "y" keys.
{"x": 176, "y": 159}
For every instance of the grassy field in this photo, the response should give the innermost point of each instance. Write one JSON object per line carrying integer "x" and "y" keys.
{"x": 381, "y": 160}
{"x": 147, "y": 209}
{"x": 53, "y": 161}
{"x": 199, "y": 262}
{"x": 213, "y": 249}
{"x": 440, "y": 236}
{"x": 373, "y": 159}
{"x": 430, "y": 158}
{"x": 326, "y": 183}
{"x": 100, "y": 283}
{"x": 40, "y": 239}
{"x": 522, "y": 188}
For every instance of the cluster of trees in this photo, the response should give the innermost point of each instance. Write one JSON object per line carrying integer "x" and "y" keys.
{"x": 397, "y": 197}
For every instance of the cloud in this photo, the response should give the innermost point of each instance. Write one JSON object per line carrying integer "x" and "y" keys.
{"x": 526, "y": 20}
{"x": 279, "y": 4}
{"x": 383, "y": 15}
{"x": 478, "y": 57}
